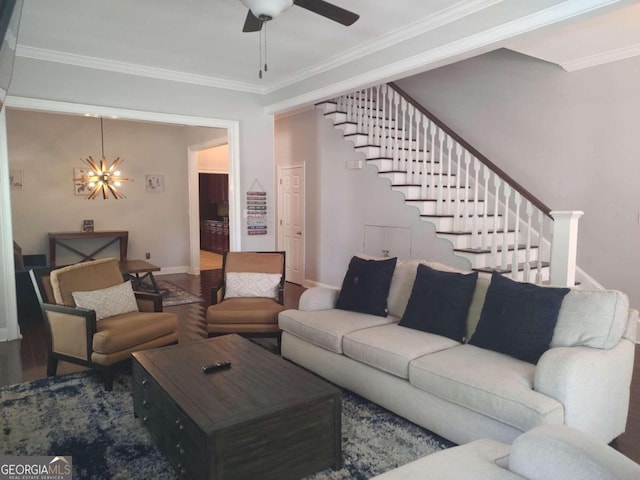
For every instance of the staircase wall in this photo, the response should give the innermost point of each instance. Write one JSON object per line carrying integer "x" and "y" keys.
{"x": 570, "y": 138}
{"x": 341, "y": 202}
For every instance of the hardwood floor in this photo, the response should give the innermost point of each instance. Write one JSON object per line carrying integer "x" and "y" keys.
{"x": 25, "y": 360}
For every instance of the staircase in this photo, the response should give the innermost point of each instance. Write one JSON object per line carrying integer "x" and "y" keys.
{"x": 490, "y": 219}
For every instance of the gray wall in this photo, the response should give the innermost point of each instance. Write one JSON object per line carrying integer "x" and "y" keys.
{"x": 570, "y": 138}
{"x": 47, "y": 147}
{"x": 340, "y": 202}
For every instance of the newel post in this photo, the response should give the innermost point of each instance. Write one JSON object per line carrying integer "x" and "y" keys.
{"x": 564, "y": 248}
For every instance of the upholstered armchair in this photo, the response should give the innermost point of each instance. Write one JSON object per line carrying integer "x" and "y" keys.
{"x": 95, "y": 319}
{"x": 250, "y": 295}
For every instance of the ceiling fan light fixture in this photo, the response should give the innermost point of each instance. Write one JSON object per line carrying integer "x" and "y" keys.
{"x": 267, "y": 8}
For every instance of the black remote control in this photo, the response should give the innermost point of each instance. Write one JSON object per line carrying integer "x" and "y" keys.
{"x": 214, "y": 367}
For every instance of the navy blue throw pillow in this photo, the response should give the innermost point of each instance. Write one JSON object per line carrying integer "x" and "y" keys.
{"x": 366, "y": 286}
{"x": 439, "y": 302}
{"x": 518, "y": 319}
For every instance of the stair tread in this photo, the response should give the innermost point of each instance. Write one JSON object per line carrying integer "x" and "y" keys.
{"x": 532, "y": 264}
{"x": 419, "y": 173}
{"x": 434, "y": 199}
{"x": 510, "y": 247}
{"x": 391, "y": 159}
{"x": 460, "y": 233}
{"x": 378, "y": 146}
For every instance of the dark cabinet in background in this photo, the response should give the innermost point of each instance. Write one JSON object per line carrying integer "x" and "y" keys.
{"x": 214, "y": 212}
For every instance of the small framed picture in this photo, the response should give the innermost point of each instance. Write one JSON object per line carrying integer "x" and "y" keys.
{"x": 81, "y": 181}
{"x": 15, "y": 179}
{"x": 87, "y": 225}
{"x": 154, "y": 182}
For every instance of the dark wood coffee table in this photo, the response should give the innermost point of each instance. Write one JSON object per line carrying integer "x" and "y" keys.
{"x": 264, "y": 418}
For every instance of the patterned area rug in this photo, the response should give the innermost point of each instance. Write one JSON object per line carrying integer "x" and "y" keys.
{"x": 173, "y": 295}
{"x": 73, "y": 415}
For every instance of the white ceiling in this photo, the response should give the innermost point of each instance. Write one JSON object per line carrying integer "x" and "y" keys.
{"x": 586, "y": 42}
{"x": 201, "y": 41}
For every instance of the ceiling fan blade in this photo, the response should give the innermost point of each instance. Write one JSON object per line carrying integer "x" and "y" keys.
{"x": 252, "y": 23}
{"x": 328, "y": 10}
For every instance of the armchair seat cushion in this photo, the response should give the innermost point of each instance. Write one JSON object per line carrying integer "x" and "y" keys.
{"x": 130, "y": 330}
{"x": 255, "y": 310}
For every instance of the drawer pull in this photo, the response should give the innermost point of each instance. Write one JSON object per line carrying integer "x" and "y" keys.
{"x": 179, "y": 448}
{"x": 145, "y": 383}
{"x": 145, "y": 403}
{"x": 179, "y": 425}
{"x": 145, "y": 419}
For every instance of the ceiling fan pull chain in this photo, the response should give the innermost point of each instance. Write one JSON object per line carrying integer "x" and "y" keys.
{"x": 260, "y": 60}
{"x": 265, "y": 46}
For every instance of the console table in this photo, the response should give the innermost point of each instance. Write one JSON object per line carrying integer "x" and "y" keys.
{"x": 56, "y": 240}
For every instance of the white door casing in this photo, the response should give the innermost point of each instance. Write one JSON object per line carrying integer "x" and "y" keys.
{"x": 291, "y": 220}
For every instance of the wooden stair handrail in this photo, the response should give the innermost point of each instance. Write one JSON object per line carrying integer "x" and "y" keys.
{"x": 492, "y": 166}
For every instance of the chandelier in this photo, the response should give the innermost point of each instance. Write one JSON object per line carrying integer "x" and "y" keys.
{"x": 102, "y": 179}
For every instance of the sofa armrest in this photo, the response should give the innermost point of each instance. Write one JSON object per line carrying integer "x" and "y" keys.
{"x": 318, "y": 298}
{"x": 70, "y": 330}
{"x": 556, "y": 452}
{"x": 148, "y": 302}
{"x": 592, "y": 385}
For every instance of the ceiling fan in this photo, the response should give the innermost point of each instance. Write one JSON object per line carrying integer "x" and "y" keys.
{"x": 261, "y": 11}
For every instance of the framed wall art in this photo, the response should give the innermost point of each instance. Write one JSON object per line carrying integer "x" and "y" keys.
{"x": 15, "y": 179}
{"x": 154, "y": 182}
{"x": 81, "y": 181}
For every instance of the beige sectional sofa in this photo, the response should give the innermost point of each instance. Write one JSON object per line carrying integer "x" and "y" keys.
{"x": 463, "y": 392}
{"x": 548, "y": 452}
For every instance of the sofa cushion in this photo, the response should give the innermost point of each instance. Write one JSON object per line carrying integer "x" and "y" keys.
{"x": 326, "y": 328}
{"x": 109, "y": 301}
{"x": 391, "y": 347}
{"x": 486, "y": 382}
{"x": 402, "y": 282}
{"x": 82, "y": 277}
{"x": 475, "y": 460}
{"x": 439, "y": 302}
{"x": 518, "y": 318}
{"x": 366, "y": 286}
{"x": 251, "y": 284}
{"x": 595, "y": 319}
{"x": 130, "y": 330}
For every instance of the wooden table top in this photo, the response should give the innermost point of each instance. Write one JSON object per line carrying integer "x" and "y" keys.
{"x": 137, "y": 266}
{"x": 258, "y": 383}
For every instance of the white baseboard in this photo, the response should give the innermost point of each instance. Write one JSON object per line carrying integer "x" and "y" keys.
{"x": 170, "y": 270}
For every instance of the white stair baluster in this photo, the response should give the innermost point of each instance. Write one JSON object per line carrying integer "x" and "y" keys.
{"x": 409, "y": 155}
{"x": 425, "y": 156}
{"x": 466, "y": 212}
{"x": 486, "y": 173}
{"x": 439, "y": 187}
{"x": 396, "y": 101}
{"x": 449, "y": 206}
{"x": 403, "y": 152}
{"x": 527, "y": 246}
{"x": 377, "y": 118}
{"x": 385, "y": 123}
{"x": 415, "y": 159}
{"x": 497, "y": 183}
{"x": 505, "y": 227}
{"x": 476, "y": 204}
{"x": 517, "y": 201}
{"x": 458, "y": 200}
{"x": 541, "y": 218}
{"x": 432, "y": 160}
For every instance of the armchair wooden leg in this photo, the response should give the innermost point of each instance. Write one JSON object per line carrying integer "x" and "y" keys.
{"x": 108, "y": 379}
{"x": 52, "y": 365}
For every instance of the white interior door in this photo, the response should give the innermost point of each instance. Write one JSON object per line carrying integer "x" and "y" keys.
{"x": 291, "y": 221}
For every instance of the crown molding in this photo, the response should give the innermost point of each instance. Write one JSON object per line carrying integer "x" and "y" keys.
{"x": 602, "y": 58}
{"x": 557, "y": 13}
{"x": 132, "y": 69}
{"x": 424, "y": 25}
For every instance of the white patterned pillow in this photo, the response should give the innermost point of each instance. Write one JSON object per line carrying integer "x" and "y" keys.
{"x": 108, "y": 301}
{"x": 249, "y": 284}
